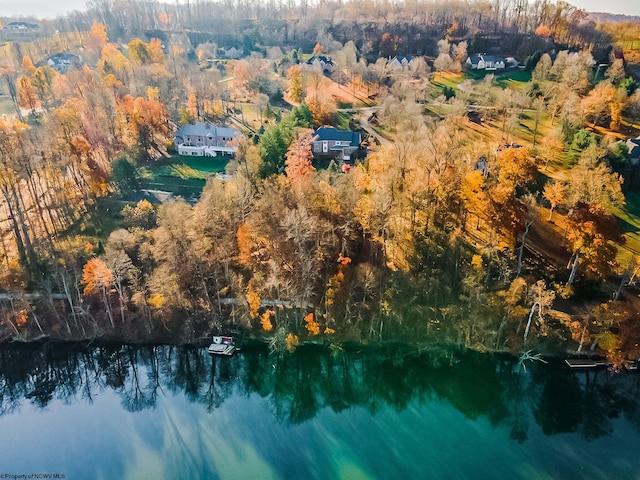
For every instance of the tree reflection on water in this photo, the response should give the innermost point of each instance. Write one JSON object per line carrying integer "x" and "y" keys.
{"x": 298, "y": 385}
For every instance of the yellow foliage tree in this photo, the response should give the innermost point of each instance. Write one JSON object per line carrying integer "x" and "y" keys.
{"x": 265, "y": 320}
{"x": 253, "y": 299}
{"x": 292, "y": 342}
{"x": 296, "y": 85}
{"x": 97, "y": 38}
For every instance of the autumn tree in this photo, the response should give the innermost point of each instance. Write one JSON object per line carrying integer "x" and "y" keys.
{"x": 142, "y": 216}
{"x": 97, "y": 38}
{"x": 296, "y": 85}
{"x": 388, "y": 44}
{"x": 322, "y": 111}
{"x": 27, "y": 97}
{"x": 542, "y": 68}
{"x": 603, "y": 103}
{"x": 554, "y": 193}
{"x": 114, "y": 62}
{"x": 616, "y": 72}
{"x": 591, "y": 236}
{"x": 42, "y": 81}
{"x": 12, "y": 135}
{"x": 98, "y": 279}
{"x": 540, "y": 299}
{"x": 142, "y": 123}
{"x": 138, "y": 52}
{"x": 591, "y": 182}
{"x": 28, "y": 68}
{"x": 123, "y": 273}
{"x": 298, "y": 163}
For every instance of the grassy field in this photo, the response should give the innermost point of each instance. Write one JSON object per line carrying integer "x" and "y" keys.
{"x": 629, "y": 218}
{"x": 184, "y": 176}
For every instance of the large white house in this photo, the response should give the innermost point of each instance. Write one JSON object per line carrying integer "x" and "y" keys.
{"x": 205, "y": 140}
{"x": 331, "y": 142}
{"x": 482, "y": 61}
{"x": 61, "y": 62}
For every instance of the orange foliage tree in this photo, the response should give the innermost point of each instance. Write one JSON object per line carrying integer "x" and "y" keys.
{"x": 28, "y": 68}
{"x": 322, "y": 111}
{"x": 298, "y": 163}
{"x": 311, "y": 325}
{"x": 98, "y": 279}
{"x": 243, "y": 237}
{"x": 253, "y": 299}
{"x": 336, "y": 281}
{"x": 543, "y": 31}
{"x": 27, "y": 97}
{"x": 140, "y": 122}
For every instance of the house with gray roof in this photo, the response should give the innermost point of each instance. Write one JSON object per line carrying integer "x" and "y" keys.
{"x": 331, "y": 142}
{"x": 399, "y": 62}
{"x": 321, "y": 62}
{"x": 21, "y": 26}
{"x": 206, "y": 140}
{"x": 61, "y": 62}
{"x": 482, "y": 61}
{"x": 633, "y": 145}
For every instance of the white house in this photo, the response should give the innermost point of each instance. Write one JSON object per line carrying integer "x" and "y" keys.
{"x": 322, "y": 62}
{"x": 61, "y": 62}
{"x": 482, "y": 61}
{"x": 205, "y": 140}
{"x": 398, "y": 62}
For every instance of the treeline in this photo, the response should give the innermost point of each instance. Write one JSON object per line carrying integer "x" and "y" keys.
{"x": 414, "y": 26}
{"x": 428, "y": 240}
{"x": 367, "y": 379}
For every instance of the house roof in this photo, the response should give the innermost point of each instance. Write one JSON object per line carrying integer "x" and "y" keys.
{"x": 61, "y": 57}
{"x": 633, "y": 144}
{"x": 321, "y": 58}
{"x": 399, "y": 58}
{"x": 22, "y": 25}
{"x": 476, "y": 57}
{"x": 330, "y": 133}
{"x": 206, "y": 129}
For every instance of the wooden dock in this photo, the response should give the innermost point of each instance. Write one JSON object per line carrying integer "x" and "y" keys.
{"x": 586, "y": 363}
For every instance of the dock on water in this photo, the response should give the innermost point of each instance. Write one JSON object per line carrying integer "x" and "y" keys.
{"x": 586, "y": 363}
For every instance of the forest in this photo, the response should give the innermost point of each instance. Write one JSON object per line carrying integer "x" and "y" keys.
{"x": 492, "y": 210}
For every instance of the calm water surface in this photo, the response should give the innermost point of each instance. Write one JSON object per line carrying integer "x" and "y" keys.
{"x": 165, "y": 412}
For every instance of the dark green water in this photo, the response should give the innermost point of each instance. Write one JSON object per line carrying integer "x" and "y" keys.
{"x": 128, "y": 412}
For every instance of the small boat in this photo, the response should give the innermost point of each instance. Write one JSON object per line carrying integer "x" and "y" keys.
{"x": 222, "y": 346}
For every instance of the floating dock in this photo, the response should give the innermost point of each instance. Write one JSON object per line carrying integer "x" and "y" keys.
{"x": 586, "y": 363}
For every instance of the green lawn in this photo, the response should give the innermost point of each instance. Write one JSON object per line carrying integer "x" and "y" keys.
{"x": 343, "y": 119}
{"x": 630, "y": 224}
{"x": 503, "y": 78}
{"x": 185, "y": 176}
{"x": 101, "y": 219}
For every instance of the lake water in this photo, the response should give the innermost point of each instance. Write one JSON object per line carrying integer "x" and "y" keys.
{"x": 127, "y": 412}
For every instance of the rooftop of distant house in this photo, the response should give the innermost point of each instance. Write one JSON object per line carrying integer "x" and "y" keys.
{"x": 320, "y": 58}
{"x": 21, "y": 26}
{"x": 62, "y": 57}
{"x": 203, "y": 129}
{"x": 331, "y": 133}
